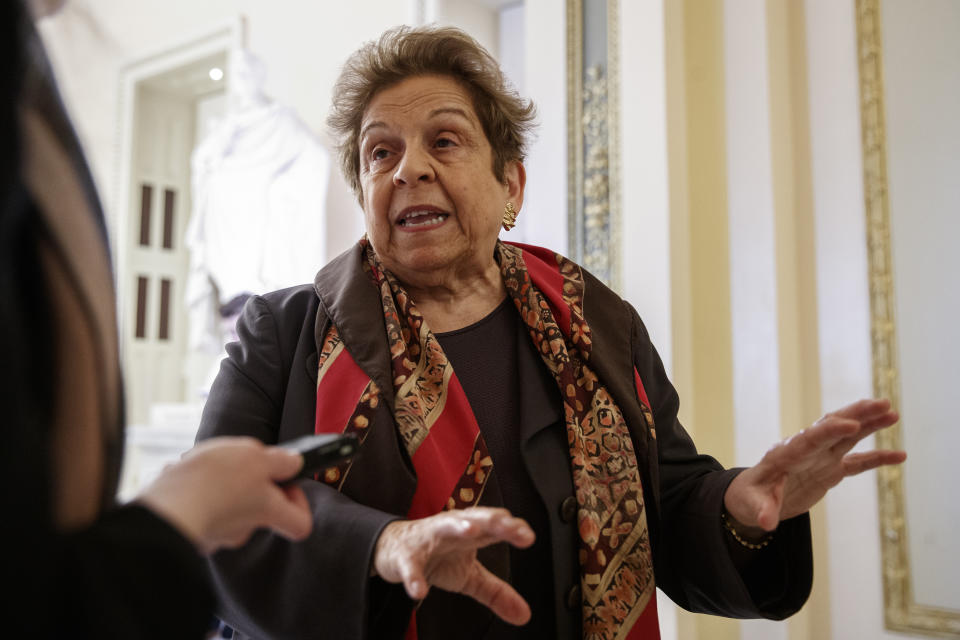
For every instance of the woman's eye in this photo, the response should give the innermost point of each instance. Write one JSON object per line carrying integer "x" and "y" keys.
{"x": 445, "y": 143}
{"x": 379, "y": 154}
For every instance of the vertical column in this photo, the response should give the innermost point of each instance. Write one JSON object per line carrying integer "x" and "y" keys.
{"x": 773, "y": 298}
{"x": 799, "y": 363}
{"x": 753, "y": 290}
{"x": 709, "y": 249}
{"x": 702, "y": 285}
{"x": 753, "y": 260}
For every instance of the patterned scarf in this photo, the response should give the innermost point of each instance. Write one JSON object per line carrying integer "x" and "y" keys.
{"x": 448, "y": 452}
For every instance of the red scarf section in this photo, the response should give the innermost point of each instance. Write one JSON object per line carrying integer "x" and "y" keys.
{"x": 449, "y": 455}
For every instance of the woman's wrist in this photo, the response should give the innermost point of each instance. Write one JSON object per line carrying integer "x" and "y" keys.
{"x": 747, "y": 536}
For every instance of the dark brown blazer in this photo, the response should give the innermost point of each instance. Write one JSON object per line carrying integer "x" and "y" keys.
{"x": 321, "y": 588}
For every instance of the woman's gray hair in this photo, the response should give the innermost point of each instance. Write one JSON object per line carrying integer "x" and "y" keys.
{"x": 405, "y": 52}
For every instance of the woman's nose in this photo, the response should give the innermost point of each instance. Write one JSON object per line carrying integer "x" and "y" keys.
{"x": 414, "y": 167}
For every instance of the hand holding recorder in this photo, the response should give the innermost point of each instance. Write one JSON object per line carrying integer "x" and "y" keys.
{"x": 225, "y": 488}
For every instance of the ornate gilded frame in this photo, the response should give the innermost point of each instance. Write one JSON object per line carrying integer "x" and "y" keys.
{"x": 593, "y": 150}
{"x": 901, "y": 611}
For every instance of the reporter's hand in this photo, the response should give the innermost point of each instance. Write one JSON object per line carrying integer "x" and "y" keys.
{"x": 224, "y": 488}
{"x": 795, "y": 474}
{"x": 441, "y": 551}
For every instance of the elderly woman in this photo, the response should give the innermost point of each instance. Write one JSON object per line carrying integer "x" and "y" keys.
{"x": 502, "y": 395}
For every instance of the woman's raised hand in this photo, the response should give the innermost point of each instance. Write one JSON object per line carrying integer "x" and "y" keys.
{"x": 441, "y": 551}
{"x": 796, "y": 473}
{"x": 224, "y": 488}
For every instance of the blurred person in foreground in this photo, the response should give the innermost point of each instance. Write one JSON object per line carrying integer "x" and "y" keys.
{"x": 522, "y": 470}
{"x": 77, "y": 564}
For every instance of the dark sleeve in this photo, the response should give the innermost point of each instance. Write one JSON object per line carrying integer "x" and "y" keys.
{"x": 271, "y": 587}
{"x": 696, "y": 561}
{"x": 128, "y": 576}
{"x": 132, "y": 575}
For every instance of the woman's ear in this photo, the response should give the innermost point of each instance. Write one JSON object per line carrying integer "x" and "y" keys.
{"x": 515, "y": 177}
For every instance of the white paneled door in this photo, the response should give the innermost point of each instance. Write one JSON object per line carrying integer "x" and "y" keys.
{"x": 155, "y": 335}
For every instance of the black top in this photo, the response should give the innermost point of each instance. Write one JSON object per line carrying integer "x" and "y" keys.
{"x": 485, "y": 357}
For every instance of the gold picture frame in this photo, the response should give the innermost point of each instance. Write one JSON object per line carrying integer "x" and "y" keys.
{"x": 593, "y": 148}
{"x": 901, "y": 611}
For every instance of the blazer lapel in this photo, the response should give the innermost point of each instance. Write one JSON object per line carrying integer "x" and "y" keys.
{"x": 350, "y": 300}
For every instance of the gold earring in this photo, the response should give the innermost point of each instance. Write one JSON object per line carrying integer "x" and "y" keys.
{"x": 509, "y": 217}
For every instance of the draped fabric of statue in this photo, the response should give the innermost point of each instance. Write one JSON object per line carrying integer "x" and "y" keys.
{"x": 259, "y": 184}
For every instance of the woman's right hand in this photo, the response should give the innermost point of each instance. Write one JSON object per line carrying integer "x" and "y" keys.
{"x": 441, "y": 551}
{"x": 224, "y": 488}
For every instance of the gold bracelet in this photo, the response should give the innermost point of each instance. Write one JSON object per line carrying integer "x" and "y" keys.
{"x": 736, "y": 534}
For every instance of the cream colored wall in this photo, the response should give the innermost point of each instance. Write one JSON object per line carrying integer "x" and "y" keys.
{"x": 768, "y": 267}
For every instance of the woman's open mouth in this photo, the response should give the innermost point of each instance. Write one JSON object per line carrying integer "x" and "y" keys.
{"x": 422, "y": 218}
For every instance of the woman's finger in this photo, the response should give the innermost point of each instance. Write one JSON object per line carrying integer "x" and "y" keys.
{"x": 863, "y": 410}
{"x": 746, "y": 497}
{"x": 482, "y": 526}
{"x": 290, "y": 514}
{"x": 411, "y": 574}
{"x": 295, "y": 494}
{"x": 855, "y": 463}
{"x": 514, "y": 531}
{"x": 829, "y": 431}
{"x": 867, "y": 429}
{"x": 283, "y": 464}
{"x": 496, "y": 595}
{"x": 274, "y": 511}
{"x": 770, "y": 506}
{"x": 881, "y": 421}
{"x": 808, "y": 443}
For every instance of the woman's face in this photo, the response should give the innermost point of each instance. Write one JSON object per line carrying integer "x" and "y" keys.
{"x": 431, "y": 202}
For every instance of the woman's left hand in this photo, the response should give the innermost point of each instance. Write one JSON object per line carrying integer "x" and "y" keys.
{"x": 441, "y": 551}
{"x": 796, "y": 473}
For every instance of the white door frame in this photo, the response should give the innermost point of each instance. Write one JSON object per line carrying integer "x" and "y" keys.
{"x": 222, "y": 38}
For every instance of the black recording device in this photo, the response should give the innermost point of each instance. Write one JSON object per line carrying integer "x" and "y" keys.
{"x": 321, "y": 450}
